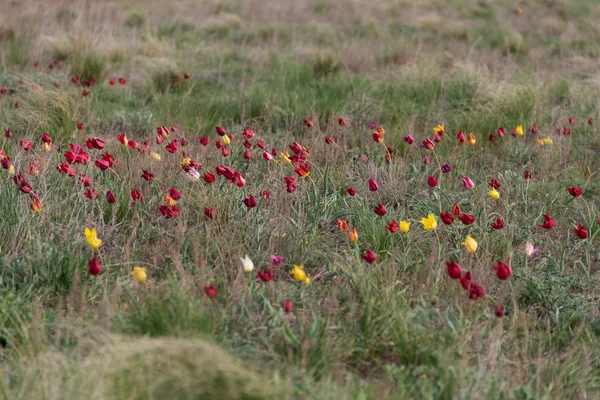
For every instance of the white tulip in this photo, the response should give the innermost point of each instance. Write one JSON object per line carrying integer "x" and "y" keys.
{"x": 247, "y": 264}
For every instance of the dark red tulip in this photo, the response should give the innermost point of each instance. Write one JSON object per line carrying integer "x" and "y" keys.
{"x": 220, "y": 131}
{"x": 94, "y": 143}
{"x": 351, "y": 191}
{"x": 369, "y": 256}
{"x": 110, "y": 197}
{"x": 499, "y": 224}
{"x": 208, "y": 177}
{"x": 91, "y": 194}
{"x": 250, "y": 202}
{"x": 329, "y": 139}
{"x": 94, "y": 267}
{"x": 147, "y": 175}
{"x": 572, "y": 120}
{"x": 574, "y": 191}
{"x": 169, "y": 212}
{"x": 209, "y": 212}
{"x": 534, "y": 128}
{"x": 377, "y": 137}
{"x": 247, "y": 155}
{"x": 447, "y": 218}
{"x": 85, "y": 180}
{"x": 590, "y": 121}
{"x": 136, "y": 195}
{"x": 393, "y": 227}
{"x": 63, "y": 168}
{"x": 503, "y": 271}
{"x": 308, "y": 123}
{"x": 548, "y": 222}
{"x": 466, "y": 219}
{"x": 409, "y": 139}
{"x": 499, "y": 312}
{"x": 122, "y": 81}
{"x": 380, "y": 210}
{"x": 265, "y": 275}
{"x": 465, "y": 280}
{"x": 248, "y": 133}
{"x": 26, "y": 144}
{"x": 476, "y": 291}
{"x": 172, "y": 147}
{"x": 454, "y": 270}
{"x": 291, "y": 183}
{"x": 446, "y": 168}
{"x": 204, "y": 140}
{"x": 456, "y": 209}
{"x": 373, "y": 186}
{"x": 287, "y": 306}
{"x": 581, "y": 232}
{"x": 428, "y": 144}
{"x": 8, "y": 133}
{"x": 341, "y": 121}
{"x": 494, "y": 183}
{"x": 174, "y": 193}
{"x": 461, "y": 137}
{"x": 23, "y": 185}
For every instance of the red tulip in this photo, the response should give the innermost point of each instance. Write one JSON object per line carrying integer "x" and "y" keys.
{"x": 174, "y": 193}
{"x": 373, "y": 186}
{"x": 94, "y": 267}
{"x": 468, "y": 183}
{"x": 548, "y": 222}
{"x": 110, "y": 197}
{"x": 380, "y": 210}
{"x": 377, "y": 137}
{"x": 225, "y": 151}
{"x": 248, "y": 133}
{"x": 572, "y": 120}
{"x": 476, "y": 291}
{"x": 329, "y": 139}
{"x": 8, "y": 133}
{"x": 409, "y": 139}
{"x": 94, "y": 143}
{"x": 456, "y": 209}
{"x": 503, "y": 271}
{"x": 64, "y": 168}
{"x": 590, "y": 121}
{"x": 204, "y": 140}
{"x": 250, "y": 202}
{"x": 574, "y": 191}
{"x": 91, "y": 194}
{"x": 437, "y": 139}
{"x": 220, "y": 131}
{"x": 147, "y": 175}
{"x": 466, "y": 219}
{"x": 499, "y": 312}
{"x": 136, "y": 195}
{"x": 527, "y": 175}
{"x": 261, "y": 144}
{"x": 247, "y": 155}
{"x": 342, "y": 121}
{"x": 494, "y": 183}
{"x": 428, "y": 144}
{"x": 169, "y": 212}
{"x": 465, "y": 280}
{"x": 287, "y": 306}
{"x": 265, "y": 275}
{"x": 447, "y": 218}
{"x": 581, "y": 232}
{"x": 351, "y": 191}
{"x": 454, "y": 270}
{"x": 369, "y": 256}
{"x": 308, "y": 122}
{"x": 25, "y": 144}
{"x": 24, "y": 186}
{"x": 46, "y": 138}
{"x": 303, "y": 170}
{"x": 461, "y": 137}
{"x": 393, "y": 227}
{"x": 431, "y": 181}
{"x": 209, "y": 212}
{"x": 534, "y": 128}
{"x": 80, "y": 126}
{"x": 172, "y": 147}
{"x": 499, "y": 224}
{"x": 210, "y": 291}
{"x": 85, "y": 180}
{"x": 291, "y": 184}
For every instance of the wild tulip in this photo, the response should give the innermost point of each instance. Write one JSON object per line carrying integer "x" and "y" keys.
{"x": 91, "y": 194}
{"x": 476, "y": 292}
{"x": 572, "y": 120}
{"x": 377, "y": 137}
{"x": 110, "y": 197}
{"x": 342, "y": 225}
{"x": 91, "y": 236}
{"x": 503, "y": 271}
{"x": 122, "y": 138}
{"x": 468, "y": 183}
{"x": 446, "y": 168}
{"x": 431, "y": 181}
{"x": 8, "y": 133}
{"x": 139, "y": 273}
{"x": 519, "y": 130}
{"x": 239, "y": 180}
{"x": 122, "y": 81}
{"x": 581, "y": 232}
{"x": 548, "y": 222}
{"x": 225, "y": 152}
{"x": 529, "y": 249}
{"x": 404, "y": 226}
{"x": 169, "y": 212}
{"x": 247, "y": 155}
{"x": 429, "y": 222}
{"x": 465, "y": 280}
{"x": 210, "y": 291}
{"x": 447, "y": 218}
{"x": 471, "y": 139}
{"x": 261, "y": 144}
{"x": 80, "y": 126}
{"x": 527, "y": 175}
{"x": 369, "y": 256}
{"x": 94, "y": 143}
{"x": 250, "y": 202}
{"x": 590, "y": 121}
{"x": 574, "y": 191}
{"x": 291, "y": 184}
{"x": 470, "y": 244}
{"x": 428, "y": 144}
{"x": 342, "y": 121}
{"x": 426, "y": 160}
{"x": 466, "y": 219}
{"x": 208, "y": 177}
{"x": 298, "y": 273}
{"x": 461, "y": 137}
{"x": 94, "y": 267}
{"x": 287, "y": 306}
{"x": 265, "y": 194}
{"x": 393, "y": 227}
{"x": 499, "y": 312}
{"x": 172, "y": 147}
{"x": 25, "y": 145}
{"x": 409, "y": 139}
{"x": 499, "y": 224}
{"x": 276, "y": 261}
{"x": 209, "y": 212}
{"x": 353, "y": 236}
{"x": 136, "y": 195}
{"x": 494, "y": 194}
{"x": 265, "y": 275}
{"x": 373, "y": 186}
{"x": 204, "y": 140}
{"x": 456, "y": 209}
{"x": 174, "y": 193}
{"x": 534, "y": 128}
{"x": 380, "y": 210}
{"x": 36, "y": 204}
{"x": 351, "y": 191}
{"x": 147, "y": 175}
{"x": 63, "y": 168}
{"x": 454, "y": 270}
{"x": 267, "y": 156}
{"x": 303, "y": 170}
{"x": 308, "y": 123}
{"x": 3, "y": 90}
{"x": 492, "y": 138}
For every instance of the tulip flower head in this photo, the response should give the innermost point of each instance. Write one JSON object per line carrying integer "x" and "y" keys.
{"x": 574, "y": 191}
{"x": 429, "y": 222}
{"x": 454, "y": 270}
{"x": 299, "y": 274}
{"x": 287, "y": 305}
{"x": 369, "y": 256}
{"x": 470, "y": 244}
{"x": 581, "y": 232}
{"x": 548, "y": 222}
{"x": 519, "y": 130}
{"x": 503, "y": 271}
{"x": 404, "y": 226}
{"x": 468, "y": 183}
{"x": 529, "y": 249}
{"x": 494, "y": 194}
{"x": 380, "y": 210}
{"x": 499, "y": 224}
{"x": 353, "y": 236}
{"x": 466, "y": 219}
{"x": 447, "y": 218}
{"x": 210, "y": 291}
{"x": 247, "y": 264}
{"x": 342, "y": 225}
{"x": 439, "y": 129}
{"x": 276, "y": 261}
{"x": 91, "y": 237}
{"x": 139, "y": 273}
{"x": 94, "y": 267}
{"x": 471, "y": 139}
{"x": 373, "y": 186}
{"x": 431, "y": 181}
{"x": 393, "y": 227}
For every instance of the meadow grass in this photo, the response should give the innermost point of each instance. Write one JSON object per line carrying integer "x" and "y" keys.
{"x": 397, "y": 328}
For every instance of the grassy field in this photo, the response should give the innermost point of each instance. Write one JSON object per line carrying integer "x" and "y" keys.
{"x": 313, "y": 199}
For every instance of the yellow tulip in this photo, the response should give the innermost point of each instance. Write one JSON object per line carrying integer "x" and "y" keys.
{"x": 307, "y": 281}
{"x": 155, "y": 156}
{"x": 284, "y": 157}
{"x": 540, "y": 142}
{"x": 299, "y": 274}
{"x": 519, "y": 130}
{"x": 429, "y": 223}
{"x": 225, "y": 139}
{"x": 139, "y": 273}
{"x": 439, "y": 129}
{"x": 470, "y": 244}
{"x": 92, "y": 238}
{"x": 404, "y": 226}
{"x": 471, "y": 139}
{"x": 494, "y": 194}
{"x": 547, "y": 140}
{"x": 11, "y": 170}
